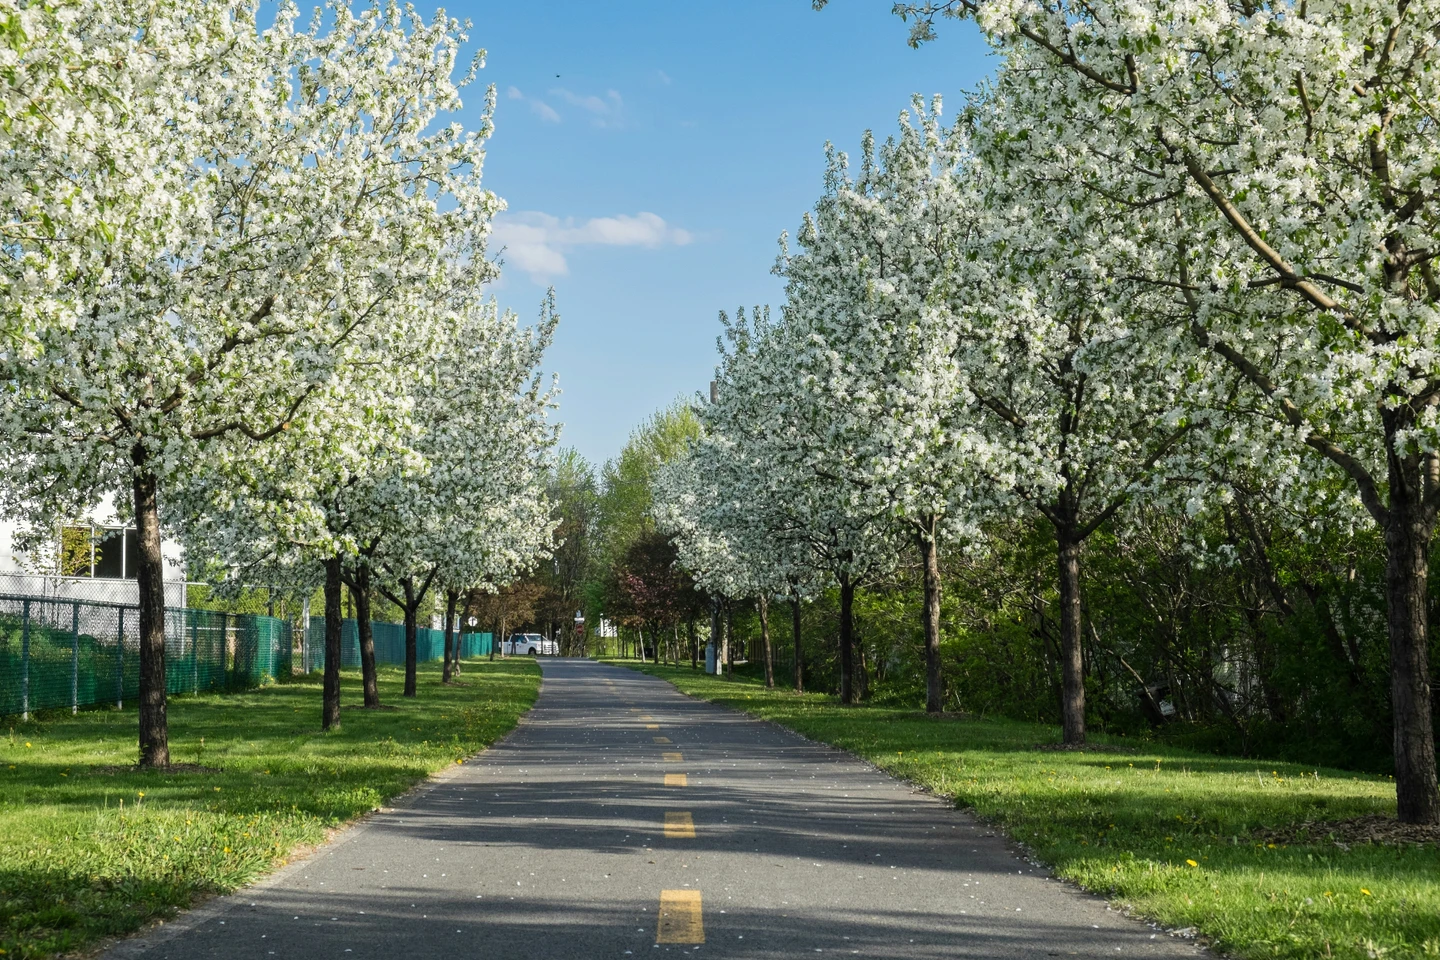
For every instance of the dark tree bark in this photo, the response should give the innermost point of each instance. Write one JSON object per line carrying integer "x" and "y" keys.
{"x": 765, "y": 642}
{"x": 694, "y": 645}
{"x": 360, "y": 597}
{"x": 154, "y": 721}
{"x": 730, "y": 643}
{"x": 330, "y": 709}
{"x": 412, "y": 608}
{"x": 715, "y": 637}
{"x": 1411, "y": 524}
{"x": 847, "y": 639}
{"x": 414, "y": 595}
{"x": 795, "y": 638}
{"x": 452, "y": 597}
{"x": 1072, "y": 666}
{"x": 930, "y": 560}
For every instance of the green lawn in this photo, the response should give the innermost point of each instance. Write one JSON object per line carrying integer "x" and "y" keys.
{"x": 1168, "y": 833}
{"x": 87, "y": 851}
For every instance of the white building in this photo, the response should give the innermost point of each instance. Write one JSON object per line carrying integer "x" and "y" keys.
{"x": 92, "y": 559}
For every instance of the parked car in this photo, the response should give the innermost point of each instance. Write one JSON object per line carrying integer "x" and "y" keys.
{"x": 531, "y": 644}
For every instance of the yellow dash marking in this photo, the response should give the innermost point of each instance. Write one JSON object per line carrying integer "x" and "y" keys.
{"x": 652, "y": 726}
{"x": 676, "y": 780}
{"x": 647, "y": 717}
{"x": 671, "y": 757}
{"x": 680, "y": 917}
{"x": 679, "y": 825}
{"x": 661, "y": 739}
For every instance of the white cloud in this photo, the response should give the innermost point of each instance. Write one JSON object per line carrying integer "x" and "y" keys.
{"x": 606, "y": 111}
{"x": 536, "y": 242}
{"x": 537, "y": 106}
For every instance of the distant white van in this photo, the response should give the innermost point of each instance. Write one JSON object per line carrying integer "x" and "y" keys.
{"x": 530, "y": 644}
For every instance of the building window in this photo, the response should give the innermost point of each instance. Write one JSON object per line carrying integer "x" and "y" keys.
{"x": 103, "y": 553}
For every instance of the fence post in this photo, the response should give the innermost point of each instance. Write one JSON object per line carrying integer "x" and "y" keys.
{"x": 75, "y": 659}
{"x": 224, "y": 642}
{"x": 194, "y": 654}
{"x": 120, "y": 663}
{"x": 25, "y": 660}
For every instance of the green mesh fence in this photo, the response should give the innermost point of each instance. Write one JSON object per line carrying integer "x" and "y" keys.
{"x": 57, "y": 653}
{"x": 389, "y": 644}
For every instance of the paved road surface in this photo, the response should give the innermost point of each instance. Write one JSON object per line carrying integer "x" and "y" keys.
{"x": 624, "y": 819}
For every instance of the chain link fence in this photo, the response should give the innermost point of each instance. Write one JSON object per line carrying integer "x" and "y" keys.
{"x": 389, "y": 644}
{"x": 57, "y": 653}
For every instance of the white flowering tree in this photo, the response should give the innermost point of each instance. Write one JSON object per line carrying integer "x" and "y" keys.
{"x": 1283, "y": 155}
{"x": 868, "y": 287}
{"x": 306, "y": 206}
{"x": 790, "y": 438}
{"x": 440, "y": 482}
{"x": 1084, "y": 393}
{"x": 477, "y": 515}
{"x": 730, "y": 534}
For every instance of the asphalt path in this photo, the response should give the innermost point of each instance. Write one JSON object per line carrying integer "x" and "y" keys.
{"x": 622, "y": 818}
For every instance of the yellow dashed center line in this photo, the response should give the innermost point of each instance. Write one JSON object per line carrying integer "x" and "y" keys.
{"x": 679, "y": 825}
{"x": 652, "y": 726}
{"x": 676, "y": 780}
{"x": 661, "y": 739}
{"x": 680, "y": 920}
{"x": 670, "y": 757}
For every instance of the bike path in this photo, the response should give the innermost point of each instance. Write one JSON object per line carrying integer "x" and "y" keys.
{"x": 622, "y": 818}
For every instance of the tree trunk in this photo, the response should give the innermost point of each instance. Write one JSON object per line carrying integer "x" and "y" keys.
{"x": 451, "y": 598}
{"x": 330, "y": 711}
{"x": 930, "y": 557}
{"x": 640, "y": 644}
{"x": 1072, "y": 667}
{"x": 714, "y": 644}
{"x": 730, "y": 643}
{"x": 360, "y": 594}
{"x": 795, "y": 637}
{"x": 694, "y": 645}
{"x": 765, "y": 642}
{"x": 412, "y": 607}
{"x": 1407, "y": 565}
{"x": 722, "y": 649}
{"x": 847, "y": 639}
{"x": 154, "y": 723}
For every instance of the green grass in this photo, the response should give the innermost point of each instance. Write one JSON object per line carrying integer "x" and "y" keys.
{"x": 1165, "y": 832}
{"x": 87, "y": 853}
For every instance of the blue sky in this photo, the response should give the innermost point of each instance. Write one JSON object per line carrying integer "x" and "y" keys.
{"x": 652, "y": 152}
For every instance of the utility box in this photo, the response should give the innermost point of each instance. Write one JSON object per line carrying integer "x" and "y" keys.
{"x": 710, "y": 657}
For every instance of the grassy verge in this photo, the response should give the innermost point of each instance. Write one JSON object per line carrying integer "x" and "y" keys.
{"x": 88, "y": 851}
{"x": 1170, "y": 834}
